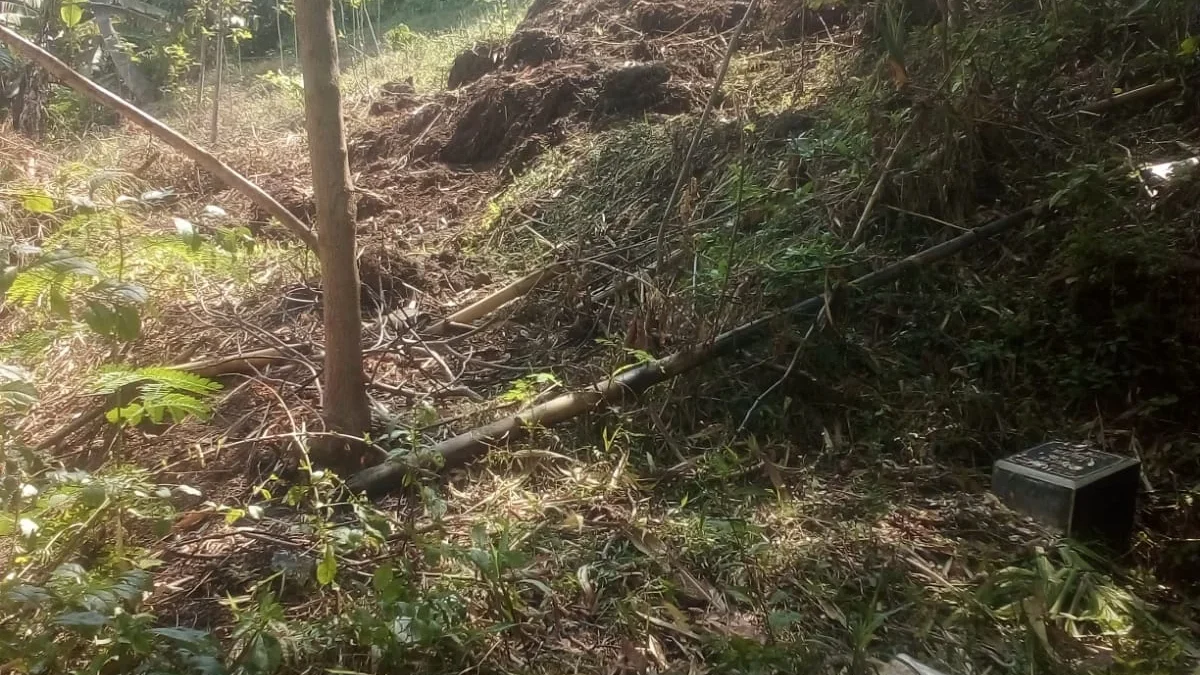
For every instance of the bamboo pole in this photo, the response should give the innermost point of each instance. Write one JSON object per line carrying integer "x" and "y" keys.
{"x": 491, "y": 303}
{"x": 159, "y": 130}
{"x": 473, "y": 444}
{"x": 1132, "y": 96}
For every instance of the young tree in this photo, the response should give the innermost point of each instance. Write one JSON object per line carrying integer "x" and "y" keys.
{"x": 345, "y": 404}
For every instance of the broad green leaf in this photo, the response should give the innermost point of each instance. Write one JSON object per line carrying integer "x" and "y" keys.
{"x": 16, "y": 390}
{"x": 783, "y": 619}
{"x": 99, "y": 318}
{"x": 26, "y": 594}
{"x": 121, "y": 292}
{"x": 266, "y": 653}
{"x": 383, "y": 578}
{"x": 70, "y": 572}
{"x": 327, "y": 569}
{"x": 129, "y": 323}
{"x": 65, "y": 261}
{"x": 93, "y": 496}
{"x": 82, "y": 620}
{"x": 187, "y": 636}
{"x": 1189, "y": 46}
{"x": 37, "y": 201}
{"x": 131, "y": 414}
{"x": 71, "y": 14}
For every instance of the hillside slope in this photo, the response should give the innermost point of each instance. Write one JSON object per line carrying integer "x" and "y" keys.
{"x": 816, "y": 501}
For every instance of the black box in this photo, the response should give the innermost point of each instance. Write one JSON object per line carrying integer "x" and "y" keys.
{"x": 1072, "y": 489}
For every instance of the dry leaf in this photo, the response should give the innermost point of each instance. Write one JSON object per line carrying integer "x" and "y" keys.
{"x": 648, "y": 543}
{"x": 655, "y": 648}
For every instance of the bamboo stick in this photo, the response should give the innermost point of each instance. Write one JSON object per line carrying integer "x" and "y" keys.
{"x": 473, "y": 444}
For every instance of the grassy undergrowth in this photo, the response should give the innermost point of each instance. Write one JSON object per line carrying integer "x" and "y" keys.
{"x": 1075, "y": 327}
{"x": 823, "y": 527}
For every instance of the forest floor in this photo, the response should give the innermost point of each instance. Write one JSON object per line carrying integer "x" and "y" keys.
{"x": 816, "y": 502}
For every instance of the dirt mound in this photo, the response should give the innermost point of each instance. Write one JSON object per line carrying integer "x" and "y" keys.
{"x": 570, "y": 65}
{"x": 485, "y": 122}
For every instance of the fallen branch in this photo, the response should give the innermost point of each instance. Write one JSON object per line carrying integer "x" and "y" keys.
{"x": 469, "y": 446}
{"x": 1131, "y": 96}
{"x": 485, "y": 306}
{"x": 244, "y": 363}
{"x": 160, "y": 131}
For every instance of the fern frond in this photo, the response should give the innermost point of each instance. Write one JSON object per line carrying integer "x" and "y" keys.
{"x": 30, "y": 286}
{"x": 178, "y": 406}
{"x": 112, "y": 381}
{"x": 180, "y": 380}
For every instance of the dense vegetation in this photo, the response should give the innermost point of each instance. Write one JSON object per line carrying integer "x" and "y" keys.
{"x": 814, "y": 502}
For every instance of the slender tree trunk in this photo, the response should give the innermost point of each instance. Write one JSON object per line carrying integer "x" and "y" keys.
{"x": 203, "y": 63}
{"x": 279, "y": 35}
{"x": 219, "y": 73}
{"x": 366, "y": 10}
{"x": 345, "y": 404}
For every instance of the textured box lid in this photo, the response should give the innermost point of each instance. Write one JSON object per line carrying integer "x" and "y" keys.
{"x": 1069, "y": 465}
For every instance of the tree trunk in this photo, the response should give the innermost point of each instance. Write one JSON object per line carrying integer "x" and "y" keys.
{"x": 140, "y": 86}
{"x": 345, "y": 404}
{"x": 214, "y": 128}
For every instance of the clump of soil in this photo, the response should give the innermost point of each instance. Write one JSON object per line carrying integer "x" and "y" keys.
{"x": 533, "y": 47}
{"x": 505, "y": 110}
{"x": 474, "y": 63}
{"x": 666, "y": 18}
{"x": 639, "y": 87}
{"x": 394, "y": 97}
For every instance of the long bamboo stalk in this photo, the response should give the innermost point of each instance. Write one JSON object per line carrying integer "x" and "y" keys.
{"x": 473, "y": 444}
{"x": 100, "y": 95}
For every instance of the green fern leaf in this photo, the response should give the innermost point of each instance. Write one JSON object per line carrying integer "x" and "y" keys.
{"x": 112, "y": 381}
{"x": 178, "y": 406}
{"x": 180, "y": 380}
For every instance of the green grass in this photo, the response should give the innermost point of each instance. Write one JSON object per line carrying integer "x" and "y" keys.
{"x": 419, "y": 51}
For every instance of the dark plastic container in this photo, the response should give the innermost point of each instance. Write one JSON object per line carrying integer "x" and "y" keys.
{"x": 1073, "y": 489}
